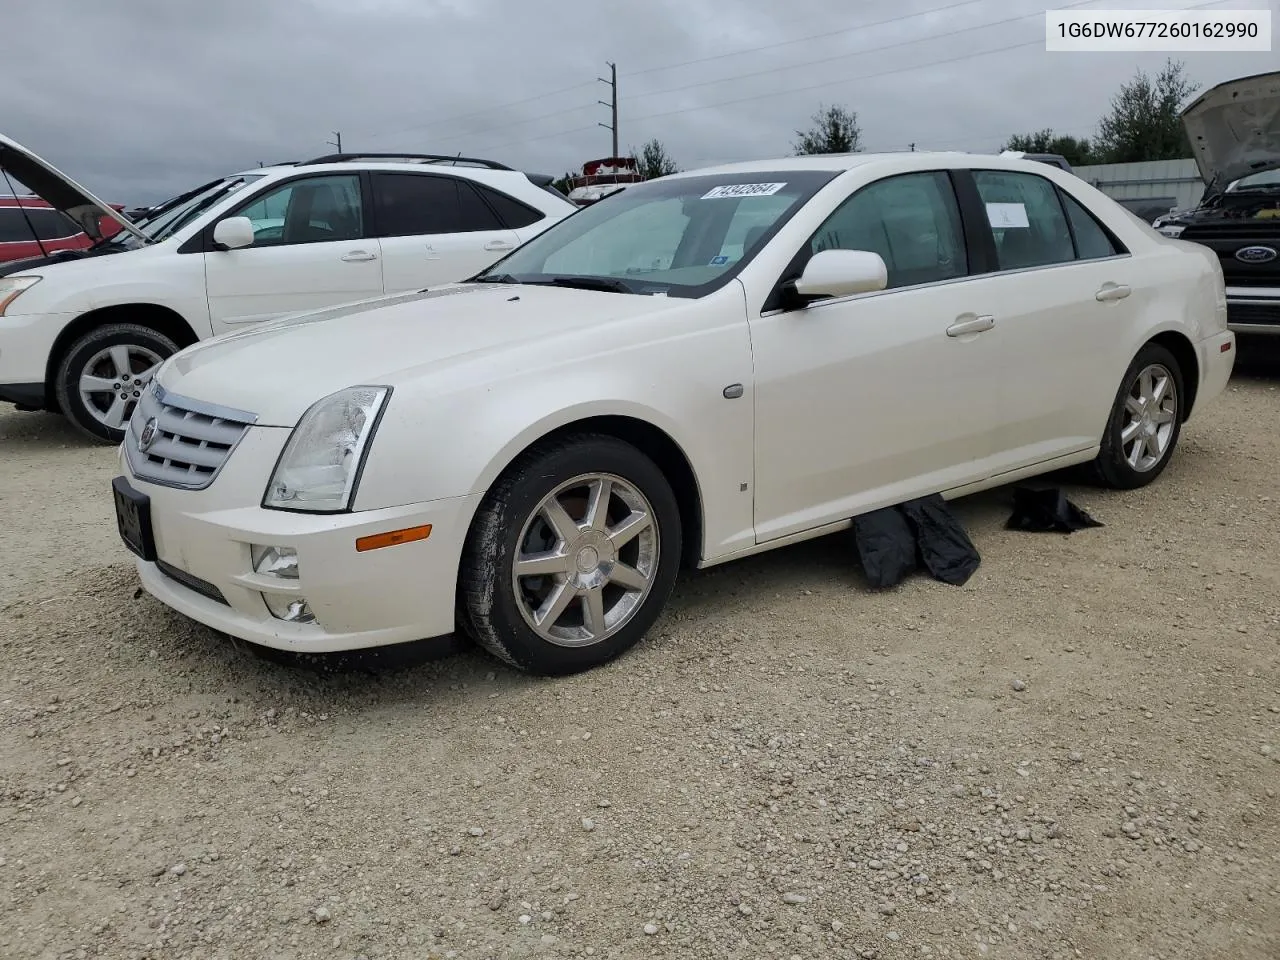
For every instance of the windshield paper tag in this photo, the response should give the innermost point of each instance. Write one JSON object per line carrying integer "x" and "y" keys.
{"x": 729, "y": 190}
{"x": 1001, "y": 215}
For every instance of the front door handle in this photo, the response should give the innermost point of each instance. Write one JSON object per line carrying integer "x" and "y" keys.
{"x": 1112, "y": 291}
{"x": 359, "y": 256}
{"x": 971, "y": 324}
{"x": 496, "y": 245}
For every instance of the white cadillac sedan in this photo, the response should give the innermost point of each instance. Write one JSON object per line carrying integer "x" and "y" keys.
{"x": 699, "y": 368}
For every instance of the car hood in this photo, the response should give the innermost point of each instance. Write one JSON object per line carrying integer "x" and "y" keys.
{"x": 60, "y": 191}
{"x": 280, "y": 368}
{"x": 1234, "y": 128}
{"x": 10, "y": 267}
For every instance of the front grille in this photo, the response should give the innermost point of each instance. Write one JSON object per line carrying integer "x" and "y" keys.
{"x": 189, "y": 441}
{"x": 202, "y": 587}
{"x": 1257, "y": 313}
{"x": 1225, "y": 239}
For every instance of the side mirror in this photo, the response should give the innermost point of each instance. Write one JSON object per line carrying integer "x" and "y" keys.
{"x": 233, "y": 233}
{"x": 841, "y": 273}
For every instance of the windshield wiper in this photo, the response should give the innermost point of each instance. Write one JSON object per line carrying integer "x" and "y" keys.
{"x": 495, "y": 278}
{"x": 604, "y": 284}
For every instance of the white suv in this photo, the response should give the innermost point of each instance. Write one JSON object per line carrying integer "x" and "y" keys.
{"x": 81, "y": 332}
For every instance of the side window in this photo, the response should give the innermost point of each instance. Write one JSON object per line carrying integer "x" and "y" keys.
{"x": 911, "y": 220}
{"x": 53, "y": 225}
{"x": 473, "y": 214}
{"x": 311, "y": 210}
{"x": 1026, "y": 217}
{"x": 1092, "y": 241}
{"x": 411, "y": 204}
{"x": 511, "y": 211}
{"x": 13, "y": 228}
{"x": 416, "y": 204}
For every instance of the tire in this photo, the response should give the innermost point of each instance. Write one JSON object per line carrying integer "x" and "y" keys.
{"x": 104, "y": 416}
{"x": 1128, "y": 465}
{"x": 498, "y": 608}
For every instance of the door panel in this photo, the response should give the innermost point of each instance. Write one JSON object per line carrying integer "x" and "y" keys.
{"x": 870, "y": 400}
{"x": 310, "y": 252}
{"x": 1066, "y": 295}
{"x": 435, "y": 229}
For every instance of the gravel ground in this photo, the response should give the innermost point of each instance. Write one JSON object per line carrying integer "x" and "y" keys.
{"x": 1074, "y": 755}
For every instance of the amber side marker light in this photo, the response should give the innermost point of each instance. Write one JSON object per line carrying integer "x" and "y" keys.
{"x": 393, "y": 537}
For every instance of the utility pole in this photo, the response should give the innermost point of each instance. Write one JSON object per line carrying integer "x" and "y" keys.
{"x": 338, "y": 142}
{"x": 612, "y": 103}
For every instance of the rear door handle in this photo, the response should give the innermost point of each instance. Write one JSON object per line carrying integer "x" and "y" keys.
{"x": 359, "y": 256}
{"x": 1112, "y": 291}
{"x": 971, "y": 324}
{"x": 499, "y": 245}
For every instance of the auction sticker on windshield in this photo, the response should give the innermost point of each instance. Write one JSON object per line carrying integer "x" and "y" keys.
{"x": 728, "y": 190}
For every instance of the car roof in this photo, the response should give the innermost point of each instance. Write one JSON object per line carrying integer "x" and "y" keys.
{"x": 843, "y": 162}
{"x": 361, "y": 163}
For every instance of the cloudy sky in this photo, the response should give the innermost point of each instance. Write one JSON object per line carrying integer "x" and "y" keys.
{"x": 141, "y": 99}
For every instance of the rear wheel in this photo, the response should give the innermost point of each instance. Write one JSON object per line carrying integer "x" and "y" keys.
{"x": 571, "y": 557}
{"x": 102, "y": 376}
{"x": 1145, "y": 422}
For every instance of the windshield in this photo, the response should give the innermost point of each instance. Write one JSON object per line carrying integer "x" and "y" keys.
{"x": 1269, "y": 178}
{"x": 682, "y": 237}
{"x": 166, "y": 222}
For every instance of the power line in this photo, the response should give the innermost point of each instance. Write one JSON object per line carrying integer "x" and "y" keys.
{"x": 849, "y": 53}
{"x": 685, "y": 63}
{"x": 824, "y": 84}
{"x": 816, "y": 36}
{"x": 476, "y": 113}
{"x": 881, "y": 73}
{"x": 756, "y": 73}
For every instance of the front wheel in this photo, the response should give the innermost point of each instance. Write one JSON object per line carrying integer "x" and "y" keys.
{"x": 1145, "y": 421}
{"x": 102, "y": 376}
{"x": 571, "y": 556}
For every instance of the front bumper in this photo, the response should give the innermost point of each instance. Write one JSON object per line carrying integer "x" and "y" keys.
{"x": 1254, "y": 310}
{"x": 390, "y": 595}
{"x": 26, "y": 341}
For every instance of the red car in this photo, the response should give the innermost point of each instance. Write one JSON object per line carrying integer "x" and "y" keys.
{"x": 29, "y": 227}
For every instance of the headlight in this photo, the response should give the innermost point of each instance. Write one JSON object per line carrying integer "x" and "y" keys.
{"x": 318, "y": 469}
{"x": 11, "y": 288}
{"x": 1171, "y": 229}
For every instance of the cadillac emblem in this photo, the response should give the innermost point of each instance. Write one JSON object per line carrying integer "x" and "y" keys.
{"x": 1257, "y": 254}
{"x": 148, "y": 435}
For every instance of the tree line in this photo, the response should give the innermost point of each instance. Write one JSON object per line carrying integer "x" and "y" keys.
{"x": 1141, "y": 123}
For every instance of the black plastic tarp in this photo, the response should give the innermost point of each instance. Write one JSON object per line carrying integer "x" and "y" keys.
{"x": 895, "y": 541}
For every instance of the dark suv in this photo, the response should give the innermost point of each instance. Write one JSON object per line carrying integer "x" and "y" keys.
{"x": 1235, "y": 131}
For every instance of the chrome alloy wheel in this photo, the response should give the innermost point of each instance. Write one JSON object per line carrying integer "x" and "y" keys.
{"x": 113, "y": 380}
{"x": 1151, "y": 417}
{"x": 585, "y": 560}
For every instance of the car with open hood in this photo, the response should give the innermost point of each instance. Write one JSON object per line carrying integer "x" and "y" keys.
{"x": 82, "y": 331}
{"x": 30, "y": 228}
{"x": 702, "y": 367}
{"x": 1234, "y": 130}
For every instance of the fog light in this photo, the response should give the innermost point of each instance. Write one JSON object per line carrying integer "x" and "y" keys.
{"x": 289, "y": 607}
{"x": 279, "y": 562}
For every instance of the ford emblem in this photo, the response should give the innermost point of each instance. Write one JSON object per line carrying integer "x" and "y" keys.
{"x": 148, "y": 435}
{"x": 1256, "y": 254}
